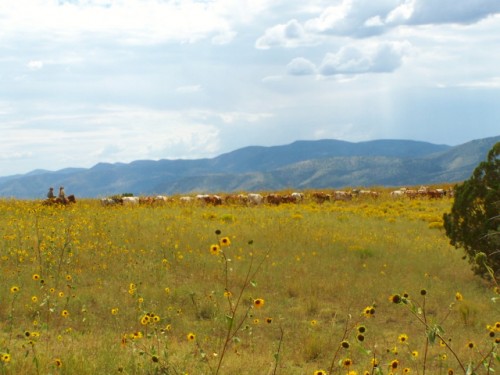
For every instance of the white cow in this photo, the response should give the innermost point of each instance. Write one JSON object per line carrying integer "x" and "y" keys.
{"x": 341, "y": 195}
{"x": 108, "y": 202}
{"x": 255, "y": 199}
{"x": 186, "y": 199}
{"x": 398, "y": 193}
{"x": 132, "y": 201}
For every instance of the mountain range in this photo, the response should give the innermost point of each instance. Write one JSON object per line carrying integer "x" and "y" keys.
{"x": 300, "y": 165}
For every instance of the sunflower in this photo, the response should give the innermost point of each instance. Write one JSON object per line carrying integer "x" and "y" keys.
{"x": 471, "y": 345}
{"x": 65, "y": 313}
{"x": 5, "y": 357}
{"x": 269, "y": 320}
{"x": 114, "y": 311}
{"x": 191, "y": 336}
{"x": 214, "y": 249}
{"x": 369, "y": 311}
{"x": 14, "y": 289}
{"x": 458, "y": 296}
{"x": 347, "y": 362}
{"x": 403, "y": 338}
{"x": 136, "y": 335}
{"x": 35, "y": 277}
{"x": 58, "y": 362}
{"x": 225, "y": 241}
{"x": 320, "y": 372}
{"x": 345, "y": 344}
{"x": 258, "y": 303}
{"x": 394, "y": 364}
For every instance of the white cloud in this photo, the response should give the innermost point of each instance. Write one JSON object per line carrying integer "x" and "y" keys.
{"x": 381, "y": 58}
{"x": 291, "y": 34}
{"x": 127, "y": 21}
{"x": 365, "y": 18}
{"x": 451, "y": 11}
{"x": 301, "y": 66}
{"x": 356, "y": 18}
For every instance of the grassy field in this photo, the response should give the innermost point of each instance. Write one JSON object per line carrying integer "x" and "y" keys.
{"x": 289, "y": 289}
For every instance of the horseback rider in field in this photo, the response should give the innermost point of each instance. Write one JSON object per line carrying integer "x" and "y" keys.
{"x": 50, "y": 194}
{"x": 62, "y": 194}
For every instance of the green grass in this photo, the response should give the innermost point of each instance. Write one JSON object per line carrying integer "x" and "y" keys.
{"x": 317, "y": 267}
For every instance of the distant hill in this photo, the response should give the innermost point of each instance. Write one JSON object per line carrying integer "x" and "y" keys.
{"x": 299, "y": 165}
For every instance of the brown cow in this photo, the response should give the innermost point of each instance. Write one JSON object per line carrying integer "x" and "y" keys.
{"x": 209, "y": 199}
{"x": 320, "y": 197}
{"x": 275, "y": 199}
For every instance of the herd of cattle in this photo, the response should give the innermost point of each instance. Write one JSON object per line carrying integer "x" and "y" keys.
{"x": 254, "y": 199}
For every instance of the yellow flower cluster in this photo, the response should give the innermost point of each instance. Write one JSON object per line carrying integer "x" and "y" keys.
{"x": 150, "y": 318}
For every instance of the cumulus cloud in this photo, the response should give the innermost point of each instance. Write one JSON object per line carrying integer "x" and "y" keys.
{"x": 356, "y": 18}
{"x": 301, "y": 66}
{"x": 383, "y": 58}
{"x": 446, "y": 11}
{"x": 365, "y": 18}
{"x": 351, "y": 60}
{"x": 290, "y": 34}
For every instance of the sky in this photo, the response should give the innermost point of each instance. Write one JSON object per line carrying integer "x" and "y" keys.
{"x": 90, "y": 81}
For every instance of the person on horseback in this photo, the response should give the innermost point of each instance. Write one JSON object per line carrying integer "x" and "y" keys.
{"x": 50, "y": 194}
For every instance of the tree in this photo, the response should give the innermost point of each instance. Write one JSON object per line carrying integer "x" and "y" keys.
{"x": 474, "y": 220}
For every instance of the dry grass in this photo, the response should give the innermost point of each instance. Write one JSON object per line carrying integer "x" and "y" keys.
{"x": 317, "y": 268}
